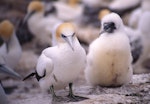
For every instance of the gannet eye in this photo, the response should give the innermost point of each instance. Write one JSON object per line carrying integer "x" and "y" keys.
{"x": 63, "y": 36}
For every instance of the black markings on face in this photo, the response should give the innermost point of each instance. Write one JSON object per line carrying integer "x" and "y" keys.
{"x": 109, "y": 27}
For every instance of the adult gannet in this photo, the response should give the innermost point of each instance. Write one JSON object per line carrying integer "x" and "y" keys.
{"x": 60, "y": 65}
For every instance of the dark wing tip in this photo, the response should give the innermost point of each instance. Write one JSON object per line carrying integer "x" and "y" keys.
{"x": 28, "y": 76}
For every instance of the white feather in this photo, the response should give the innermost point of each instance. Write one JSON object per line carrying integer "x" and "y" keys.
{"x": 109, "y": 58}
{"x": 63, "y": 65}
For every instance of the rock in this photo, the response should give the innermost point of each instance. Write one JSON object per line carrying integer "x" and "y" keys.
{"x": 135, "y": 92}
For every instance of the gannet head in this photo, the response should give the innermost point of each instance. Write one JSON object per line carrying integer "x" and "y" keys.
{"x": 34, "y": 7}
{"x": 6, "y": 31}
{"x": 73, "y": 3}
{"x": 102, "y": 13}
{"x": 111, "y": 22}
{"x": 65, "y": 32}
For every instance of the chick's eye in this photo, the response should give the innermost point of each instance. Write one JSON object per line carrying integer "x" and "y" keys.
{"x": 63, "y": 36}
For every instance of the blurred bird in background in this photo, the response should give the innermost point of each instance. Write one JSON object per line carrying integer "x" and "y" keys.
{"x": 11, "y": 48}
{"x": 137, "y": 13}
{"x": 70, "y": 10}
{"x": 143, "y": 28}
{"x": 40, "y": 24}
{"x": 10, "y": 53}
{"x": 128, "y": 5}
{"x": 8, "y": 72}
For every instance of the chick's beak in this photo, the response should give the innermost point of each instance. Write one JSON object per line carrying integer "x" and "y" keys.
{"x": 70, "y": 41}
{"x": 102, "y": 32}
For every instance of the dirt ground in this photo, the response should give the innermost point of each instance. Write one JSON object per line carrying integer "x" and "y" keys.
{"x": 28, "y": 92}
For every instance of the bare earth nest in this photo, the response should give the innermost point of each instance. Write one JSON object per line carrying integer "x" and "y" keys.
{"x": 28, "y": 92}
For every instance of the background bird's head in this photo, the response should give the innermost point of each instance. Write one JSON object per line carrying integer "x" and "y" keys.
{"x": 34, "y": 7}
{"x": 65, "y": 33}
{"x": 6, "y": 30}
{"x": 102, "y": 13}
{"x": 73, "y": 3}
{"x": 111, "y": 22}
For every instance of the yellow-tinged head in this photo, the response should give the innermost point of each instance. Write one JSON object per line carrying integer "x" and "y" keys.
{"x": 6, "y": 29}
{"x": 35, "y": 6}
{"x": 102, "y": 13}
{"x": 73, "y": 3}
{"x": 65, "y": 32}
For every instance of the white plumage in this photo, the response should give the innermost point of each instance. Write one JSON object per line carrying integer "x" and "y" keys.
{"x": 136, "y": 41}
{"x": 109, "y": 58}
{"x": 61, "y": 62}
{"x": 10, "y": 51}
{"x": 68, "y": 12}
{"x": 60, "y": 65}
{"x": 13, "y": 56}
{"x": 117, "y": 4}
{"x": 39, "y": 24}
{"x": 134, "y": 18}
{"x": 143, "y": 29}
{"x": 136, "y": 14}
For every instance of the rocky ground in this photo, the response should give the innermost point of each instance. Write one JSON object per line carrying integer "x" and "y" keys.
{"x": 28, "y": 92}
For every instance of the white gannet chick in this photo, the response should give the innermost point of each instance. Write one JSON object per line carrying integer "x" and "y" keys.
{"x": 60, "y": 65}
{"x": 109, "y": 58}
{"x": 11, "y": 49}
{"x": 40, "y": 24}
{"x": 135, "y": 38}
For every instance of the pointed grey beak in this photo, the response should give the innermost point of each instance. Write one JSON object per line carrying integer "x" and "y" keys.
{"x": 69, "y": 40}
{"x": 7, "y": 46}
{"x": 27, "y": 16}
{"x": 102, "y": 32}
{"x": 5, "y": 69}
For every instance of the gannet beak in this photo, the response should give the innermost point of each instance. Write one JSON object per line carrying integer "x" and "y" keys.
{"x": 7, "y": 46}
{"x": 27, "y": 16}
{"x": 102, "y": 32}
{"x": 69, "y": 40}
{"x": 5, "y": 69}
